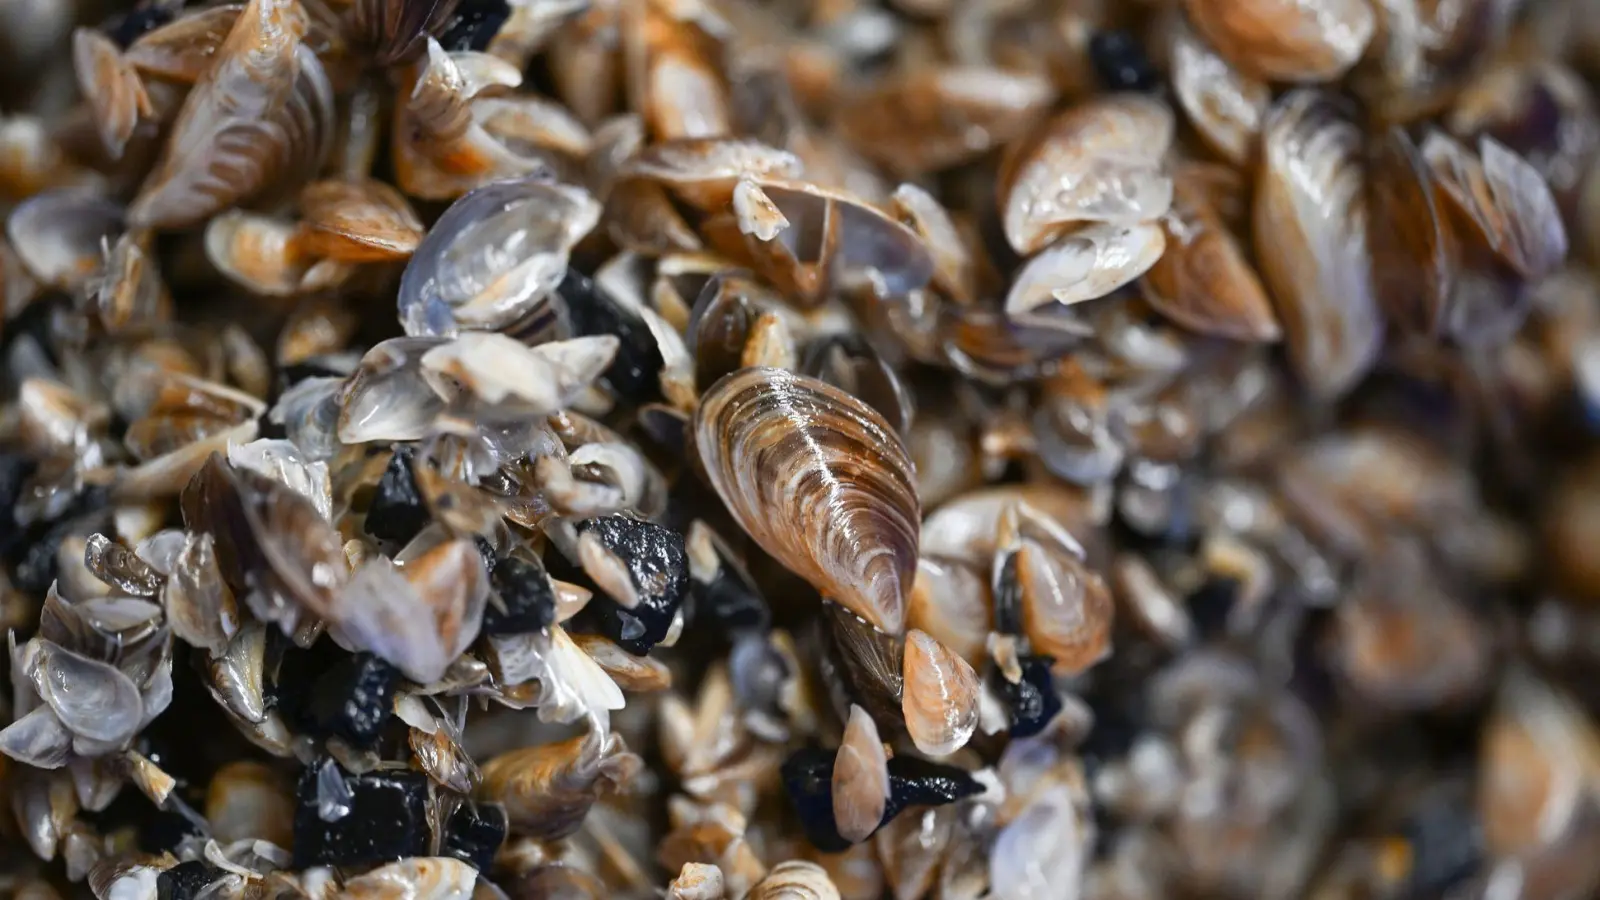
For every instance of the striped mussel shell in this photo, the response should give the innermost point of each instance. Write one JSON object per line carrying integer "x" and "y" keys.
{"x": 820, "y": 481}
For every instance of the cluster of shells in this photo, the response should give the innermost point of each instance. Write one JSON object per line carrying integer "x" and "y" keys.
{"x": 837, "y": 450}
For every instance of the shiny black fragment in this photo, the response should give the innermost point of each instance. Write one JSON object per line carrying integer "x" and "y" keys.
{"x": 353, "y": 700}
{"x": 1033, "y": 700}
{"x": 1008, "y": 597}
{"x": 162, "y": 830}
{"x": 808, "y": 780}
{"x": 397, "y": 512}
{"x": 1120, "y": 64}
{"x": 474, "y": 833}
{"x": 730, "y": 604}
{"x": 147, "y": 17}
{"x": 635, "y": 372}
{"x": 659, "y": 567}
{"x": 185, "y": 881}
{"x": 525, "y": 592}
{"x": 917, "y": 782}
{"x": 387, "y": 821}
{"x": 474, "y": 25}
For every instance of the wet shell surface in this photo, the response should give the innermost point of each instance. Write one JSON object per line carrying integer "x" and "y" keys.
{"x": 821, "y": 481}
{"x": 919, "y": 449}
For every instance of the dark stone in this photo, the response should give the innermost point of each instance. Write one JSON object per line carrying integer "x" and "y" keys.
{"x": 388, "y": 820}
{"x": 1212, "y": 603}
{"x": 917, "y": 782}
{"x": 353, "y": 700}
{"x": 1446, "y": 844}
{"x": 808, "y": 779}
{"x": 659, "y": 567}
{"x": 1120, "y": 62}
{"x": 1008, "y": 597}
{"x": 1033, "y": 699}
{"x": 634, "y": 373}
{"x": 185, "y": 880}
{"x": 475, "y": 832}
{"x": 162, "y": 830}
{"x": 729, "y": 604}
{"x": 473, "y": 25}
{"x": 145, "y": 18}
{"x": 529, "y": 598}
{"x": 397, "y": 512}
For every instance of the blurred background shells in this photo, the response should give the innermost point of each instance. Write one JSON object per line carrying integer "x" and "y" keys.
{"x": 718, "y": 449}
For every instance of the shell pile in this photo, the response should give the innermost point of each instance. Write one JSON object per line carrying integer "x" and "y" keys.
{"x": 835, "y": 450}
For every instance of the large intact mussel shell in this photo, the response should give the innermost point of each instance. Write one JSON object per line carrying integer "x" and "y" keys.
{"x": 547, "y": 789}
{"x": 820, "y": 481}
{"x": 1287, "y": 40}
{"x": 264, "y": 110}
{"x": 1311, "y": 234}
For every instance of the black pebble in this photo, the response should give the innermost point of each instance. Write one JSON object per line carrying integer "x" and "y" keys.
{"x": 1120, "y": 63}
{"x": 162, "y": 830}
{"x": 397, "y": 512}
{"x": 145, "y": 18}
{"x": 730, "y": 605}
{"x": 917, "y": 782}
{"x": 353, "y": 700}
{"x": 474, "y": 833}
{"x": 1211, "y": 604}
{"x": 473, "y": 25}
{"x": 1033, "y": 699}
{"x": 660, "y": 569}
{"x": 388, "y": 820}
{"x": 185, "y": 880}
{"x": 528, "y": 595}
{"x": 635, "y": 371}
{"x": 808, "y": 779}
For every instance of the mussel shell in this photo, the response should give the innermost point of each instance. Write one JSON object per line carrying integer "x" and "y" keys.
{"x": 1311, "y": 233}
{"x": 820, "y": 481}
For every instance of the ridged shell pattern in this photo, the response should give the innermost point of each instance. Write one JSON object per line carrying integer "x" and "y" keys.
{"x": 820, "y": 481}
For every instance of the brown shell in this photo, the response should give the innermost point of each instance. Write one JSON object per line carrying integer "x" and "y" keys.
{"x": 1414, "y": 265}
{"x": 111, "y": 86}
{"x": 1226, "y": 106}
{"x": 264, "y": 110}
{"x": 1499, "y": 201}
{"x": 1101, "y": 161}
{"x": 358, "y": 221}
{"x": 860, "y": 778}
{"x": 934, "y": 118}
{"x": 396, "y": 31}
{"x": 1203, "y": 281}
{"x": 1311, "y": 237}
{"x": 185, "y": 48}
{"x": 547, "y": 789}
{"x": 1287, "y": 40}
{"x": 820, "y": 481}
{"x": 940, "y": 702}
